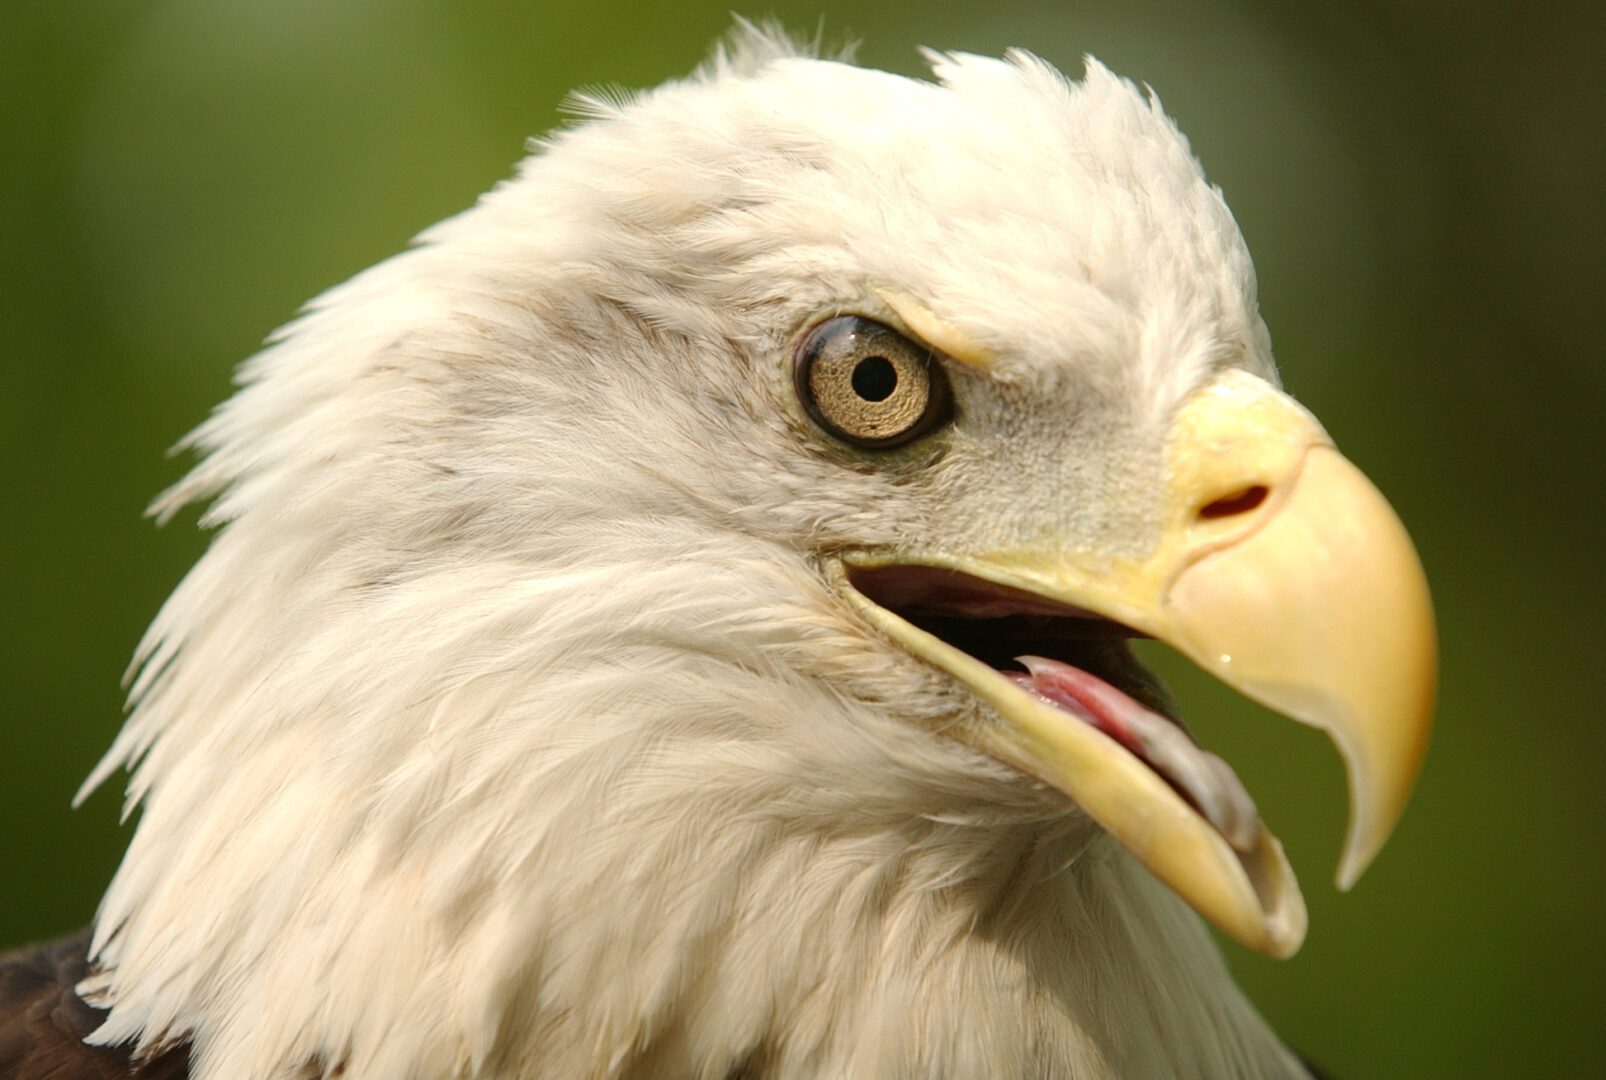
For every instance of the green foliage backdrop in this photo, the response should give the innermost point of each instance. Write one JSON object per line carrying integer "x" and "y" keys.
{"x": 1420, "y": 183}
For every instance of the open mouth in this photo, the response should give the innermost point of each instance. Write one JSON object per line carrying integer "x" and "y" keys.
{"x": 1275, "y": 566}
{"x": 1070, "y": 706}
{"x": 1076, "y": 661}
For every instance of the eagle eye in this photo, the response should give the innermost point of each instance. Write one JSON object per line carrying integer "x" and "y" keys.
{"x": 869, "y": 385}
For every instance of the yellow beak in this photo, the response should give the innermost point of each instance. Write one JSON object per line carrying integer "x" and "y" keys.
{"x": 1280, "y": 569}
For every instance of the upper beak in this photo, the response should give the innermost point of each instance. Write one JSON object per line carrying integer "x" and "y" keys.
{"x": 1280, "y": 569}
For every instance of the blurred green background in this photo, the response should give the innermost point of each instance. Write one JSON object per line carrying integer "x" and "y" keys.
{"x": 1421, "y": 183}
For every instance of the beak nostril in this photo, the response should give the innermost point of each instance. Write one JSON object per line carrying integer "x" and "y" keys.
{"x": 1239, "y": 502}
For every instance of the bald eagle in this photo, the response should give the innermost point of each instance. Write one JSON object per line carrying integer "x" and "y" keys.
{"x": 673, "y": 621}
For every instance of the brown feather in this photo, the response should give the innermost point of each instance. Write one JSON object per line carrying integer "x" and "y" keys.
{"x": 43, "y": 1022}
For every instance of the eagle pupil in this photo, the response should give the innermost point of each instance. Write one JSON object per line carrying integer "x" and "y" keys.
{"x": 874, "y": 378}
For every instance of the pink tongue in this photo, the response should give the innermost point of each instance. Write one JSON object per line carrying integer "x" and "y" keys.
{"x": 1200, "y": 776}
{"x": 1088, "y": 696}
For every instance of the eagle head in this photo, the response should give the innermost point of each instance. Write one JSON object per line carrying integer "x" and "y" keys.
{"x": 673, "y": 620}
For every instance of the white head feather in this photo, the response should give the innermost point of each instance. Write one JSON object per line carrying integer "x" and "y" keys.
{"x": 508, "y": 727}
